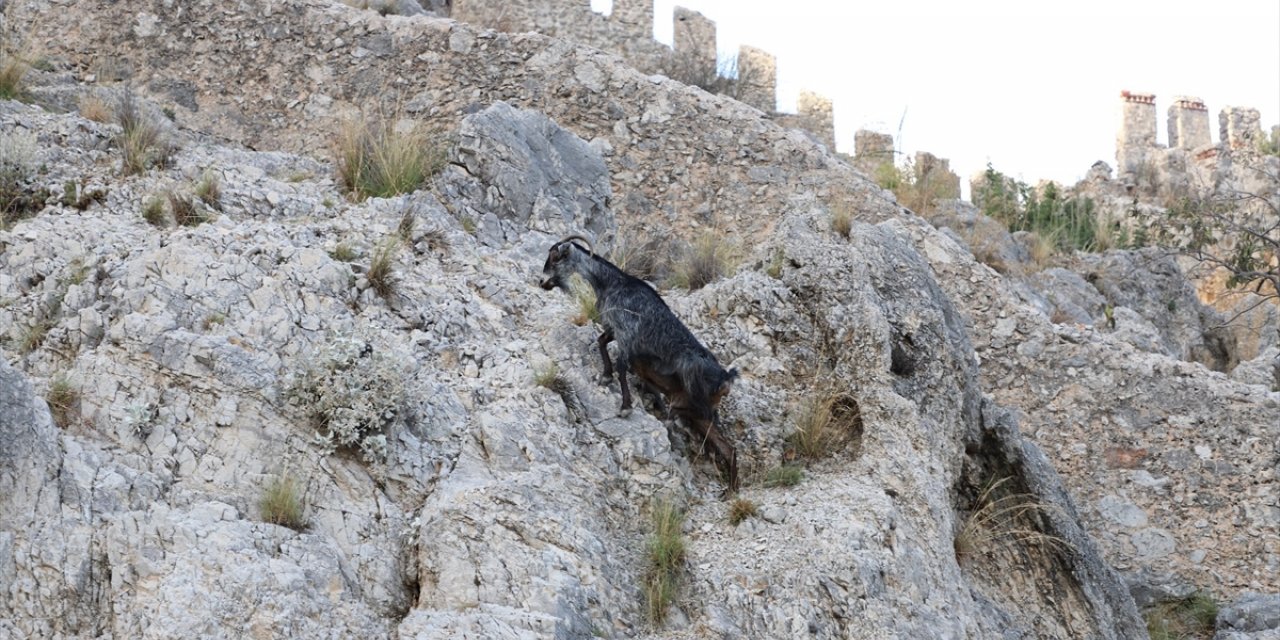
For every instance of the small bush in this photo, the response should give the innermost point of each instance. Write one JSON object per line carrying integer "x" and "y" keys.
{"x": 12, "y": 71}
{"x": 842, "y": 219}
{"x": 209, "y": 190}
{"x": 64, "y": 401}
{"x": 1067, "y": 224}
{"x": 213, "y": 319}
{"x": 786, "y": 475}
{"x": 741, "y": 509}
{"x": 376, "y": 161}
{"x": 665, "y": 550}
{"x": 351, "y": 391}
{"x": 344, "y": 252}
{"x": 824, "y": 422}
{"x": 1000, "y": 518}
{"x": 382, "y": 267}
{"x": 142, "y": 142}
{"x": 1194, "y": 616}
{"x": 708, "y": 259}
{"x": 549, "y": 377}
{"x": 93, "y": 107}
{"x": 153, "y": 212}
{"x": 281, "y": 504}
{"x": 17, "y": 167}
{"x": 184, "y": 210}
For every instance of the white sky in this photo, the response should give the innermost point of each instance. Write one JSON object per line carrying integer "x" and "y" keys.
{"x": 1030, "y": 86}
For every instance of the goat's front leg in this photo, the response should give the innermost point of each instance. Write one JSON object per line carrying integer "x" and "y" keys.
{"x": 603, "y": 341}
{"x": 623, "y": 366}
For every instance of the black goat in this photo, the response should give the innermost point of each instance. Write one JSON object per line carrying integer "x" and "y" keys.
{"x": 652, "y": 343}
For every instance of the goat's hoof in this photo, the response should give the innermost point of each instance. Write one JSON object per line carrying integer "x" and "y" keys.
{"x": 624, "y": 412}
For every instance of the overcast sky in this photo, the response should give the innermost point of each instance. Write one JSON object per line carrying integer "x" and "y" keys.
{"x": 1030, "y": 86}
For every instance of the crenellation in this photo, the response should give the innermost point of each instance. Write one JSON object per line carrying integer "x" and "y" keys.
{"x": 695, "y": 37}
{"x": 758, "y": 78}
{"x": 815, "y": 112}
{"x": 1188, "y": 123}
{"x": 871, "y": 149}
{"x": 1240, "y": 128}
{"x": 936, "y": 174}
{"x": 634, "y": 17}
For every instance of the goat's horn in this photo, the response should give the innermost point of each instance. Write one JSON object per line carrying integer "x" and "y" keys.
{"x": 590, "y": 248}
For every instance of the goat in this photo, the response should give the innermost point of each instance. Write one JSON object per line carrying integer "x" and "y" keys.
{"x": 652, "y": 342}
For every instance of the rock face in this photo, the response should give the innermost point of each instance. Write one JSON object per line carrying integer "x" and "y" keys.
{"x": 504, "y": 509}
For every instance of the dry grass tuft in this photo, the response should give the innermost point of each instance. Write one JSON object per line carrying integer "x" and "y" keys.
{"x": 209, "y": 190}
{"x": 709, "y": 258}
{"x": 741, "y": 509}
{"x": 826, "y": 421}
{"x": 93, "y": 107}
{"x": 153, "y": 212}
{"x": 786, "y": 475}
{"x": 344, "y": 252}
{"x": 184, "y": 210}
{"x": 382, "y": 267}
{"x": 842, "y": 219}
{"x": 585, "y": 297}
{"x": 665, "y": 551}
{"x": 63, "y": 398}
{"x": 142, "y": 141}
{"x": 1194, "y": 616}
{"x": 376, "y": 161}
{"x": 12, "y": 71}
{"x": 1003, "y": 520}
{"x": 282, "y": 504}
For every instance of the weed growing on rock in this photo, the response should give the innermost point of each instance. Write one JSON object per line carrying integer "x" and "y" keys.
{"x": 351, "y": 391}
{"x": 213, "y": 319}
{"x": 776, "y": 262}
{"x": 184, "y": 210}
{"x": 12, "y": 71}
{"x": 343, "y": 252}
{"x": 382, "y": 267}
{"x": 153, "y": 212}
{"x": 1000, "y": 520}
{"x": 665, "y": 551}
{"x": 708, "y": 259}
{"x": 64, "y": 401}
{"x": 142, "y": 142}
{"x": 281, "y": 503}
{"x": 209, "y": 190}
{"x": 842, "y": 219}
{"x": 468, "y": 225}
{"x": 786, "y": 475}
{"x": 17, "y": 167}
{"x": 741, "y": 509}
{"x": 406, "y": 227}
{"x": 826, "y": 420}
{"x": 92, "y": 107}
{"x": 376, "y": 161}
{"x": 1191, "y": 617}
{"x": 585, "y": 298}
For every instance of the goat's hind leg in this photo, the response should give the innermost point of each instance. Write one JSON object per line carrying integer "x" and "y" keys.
{"x": 624, "y": 364}
{"x": 604, "y": 340}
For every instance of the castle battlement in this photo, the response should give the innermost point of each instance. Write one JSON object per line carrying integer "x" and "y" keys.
{"x": 628, "y": 32}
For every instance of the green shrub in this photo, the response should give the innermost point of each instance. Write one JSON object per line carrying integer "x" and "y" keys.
{"x": 351, "y": 390}
{"x": 784, "y": 476}
{"x": 376, "y": 161}
{"x": 281, "y": 504}
{"x": 665, "y": 551}
{"x": 1069, "y": 224}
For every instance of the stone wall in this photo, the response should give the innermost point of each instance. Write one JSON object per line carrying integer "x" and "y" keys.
{"x": 1188, "y": 123}
{"x": 628, "y": 32}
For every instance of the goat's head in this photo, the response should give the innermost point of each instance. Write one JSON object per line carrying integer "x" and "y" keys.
{"x": 563, "y": 260}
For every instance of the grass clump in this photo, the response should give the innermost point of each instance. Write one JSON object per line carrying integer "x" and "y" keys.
{"x": 1191, "y": 617}
{"x": 1000, "y": 518}
{"x": 585, "y": 298}
{"x": 209, "y": 190}
{"x": 842, "y": 219}
{"x": 343, "y": 252}
{"x": 382, "y": 268}
{"x": 741, "y": 509}
{"x": 665, "y": 551}
{"x": 826, "y": 420}
{"x": 376, "y": 161}
{"x": 786, "y": 475}
{"x": 184, "y": 210}
{"x": 637, "y": 256}
{"x": 281, "y": 504}
{"x": 63, "y": 399}
{"x": 708, "y": 259}
{"x": 17, "y": 168}
{"x": 142, "y": 141}
{"x": 92, "y": 107}
{"x": 153, "y": 212}
{"x": 12, "y": 72}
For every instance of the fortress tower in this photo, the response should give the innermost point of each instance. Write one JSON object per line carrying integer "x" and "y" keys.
{"x": 634, "y": 16}
{"x": 695, "y": 36}
{"x": 1188, "y": 123}
{"x": 758, "y": 76}
{"x": 1240, "y": 128}
{"x": 1137, "y": 132}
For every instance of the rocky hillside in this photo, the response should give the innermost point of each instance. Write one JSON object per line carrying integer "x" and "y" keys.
{"x": 160, "y": 381}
